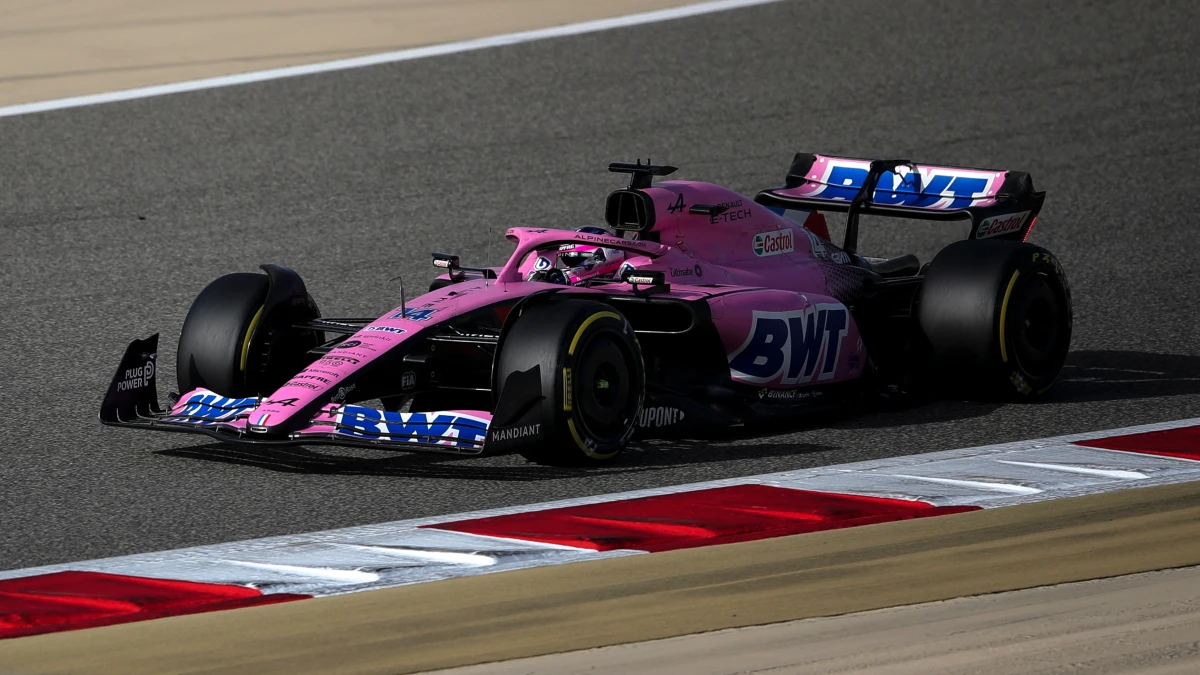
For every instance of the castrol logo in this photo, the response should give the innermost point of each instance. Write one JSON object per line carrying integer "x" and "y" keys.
{"x": 773, "y": 243}
{"x": 999, "y": 225}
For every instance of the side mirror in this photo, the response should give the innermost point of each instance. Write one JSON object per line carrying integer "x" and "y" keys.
{"x": 652, "y": 281}
{"x": 447, "y": 261}
{"x": 450, "y": 263}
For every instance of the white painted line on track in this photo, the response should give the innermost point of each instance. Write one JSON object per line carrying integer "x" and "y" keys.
{"x": 388, "y": 57}
{"x": 410, "y": 551}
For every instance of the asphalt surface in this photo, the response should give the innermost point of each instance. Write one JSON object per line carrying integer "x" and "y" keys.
{"x": 113, "y": 217}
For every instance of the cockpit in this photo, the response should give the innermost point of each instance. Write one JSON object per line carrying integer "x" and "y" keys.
{"x": 573, "y": 263}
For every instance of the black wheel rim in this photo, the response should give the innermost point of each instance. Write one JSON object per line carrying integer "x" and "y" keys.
{"x": 602, "y": 387}
{"x": 1039, "y": 328}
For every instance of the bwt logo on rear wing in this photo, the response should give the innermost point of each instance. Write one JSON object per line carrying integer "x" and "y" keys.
{"x": 914, "y": 186}
{"x": 985, "y": 197}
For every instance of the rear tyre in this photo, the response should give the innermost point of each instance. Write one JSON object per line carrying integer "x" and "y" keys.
{"x": 997, "y": 315}
{"x": 592, "y": 379}
{"x": 215, "y": 347}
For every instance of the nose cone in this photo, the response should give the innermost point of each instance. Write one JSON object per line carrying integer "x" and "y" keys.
{"x": 268, "y": 424}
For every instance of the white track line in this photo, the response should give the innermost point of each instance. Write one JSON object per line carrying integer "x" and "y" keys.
{"x": 369, "y": 557}
{"x": 389, "y": 57}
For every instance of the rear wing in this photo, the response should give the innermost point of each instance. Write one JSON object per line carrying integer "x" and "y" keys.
{"x": 1000, "y": 204}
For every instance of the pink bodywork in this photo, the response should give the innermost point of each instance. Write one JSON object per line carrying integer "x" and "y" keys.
{"x": 750, "y": 265}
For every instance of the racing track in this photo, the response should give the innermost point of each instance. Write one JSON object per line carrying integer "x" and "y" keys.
{"x": 113, "y": 217}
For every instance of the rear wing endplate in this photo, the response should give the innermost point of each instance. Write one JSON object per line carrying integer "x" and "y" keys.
{"x": 999, "y": 204}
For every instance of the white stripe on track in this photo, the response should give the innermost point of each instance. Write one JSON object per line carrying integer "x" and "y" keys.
{"x": 388, "y": 57}
{"x": 369, "y": 557}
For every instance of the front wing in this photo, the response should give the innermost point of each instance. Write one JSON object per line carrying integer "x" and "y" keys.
{"x": 132, "y": 401}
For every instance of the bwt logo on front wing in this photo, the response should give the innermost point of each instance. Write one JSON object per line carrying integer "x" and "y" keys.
{"x": 798, "y": 345}
{"x": 444, "y": 428}
{"x": 210, "y": 408}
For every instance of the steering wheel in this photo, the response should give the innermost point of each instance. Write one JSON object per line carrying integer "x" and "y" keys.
{"x": 550, "y": 276}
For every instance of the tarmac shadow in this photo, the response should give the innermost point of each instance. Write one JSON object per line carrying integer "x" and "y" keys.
{"x": 1089, "y": 375}
{"x": 304, "y": 460}
{"x": 646, "y": 456}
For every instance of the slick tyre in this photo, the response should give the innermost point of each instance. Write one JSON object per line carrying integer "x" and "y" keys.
{"x": 997, "y": 316}
{"x": 215, "y": 348}
{"x": 592, "y": 379}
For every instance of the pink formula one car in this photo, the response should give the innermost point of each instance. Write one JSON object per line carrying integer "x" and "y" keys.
{"x": 702, "y": 309}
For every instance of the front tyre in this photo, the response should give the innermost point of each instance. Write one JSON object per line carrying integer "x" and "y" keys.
{"x": 216, "y": 350}
{"x": 997, "y": 315}
{"x": 592, "y": 379}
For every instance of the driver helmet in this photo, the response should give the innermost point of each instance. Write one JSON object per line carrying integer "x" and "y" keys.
{"x": 588, "y": 257}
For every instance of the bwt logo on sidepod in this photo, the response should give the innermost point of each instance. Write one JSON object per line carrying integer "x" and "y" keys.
{"x": 792, "y": 344}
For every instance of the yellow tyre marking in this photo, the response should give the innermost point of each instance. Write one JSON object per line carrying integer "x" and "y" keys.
{"x": 590, "y": 320}
{"x": 249, "y": 333}
{"x": 566, "y": 381}
{"x": 1004, "y": 313}
{"x": 583, "y": 446}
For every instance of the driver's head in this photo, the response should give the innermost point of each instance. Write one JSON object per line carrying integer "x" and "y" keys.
{"x": 577, "y": 255}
